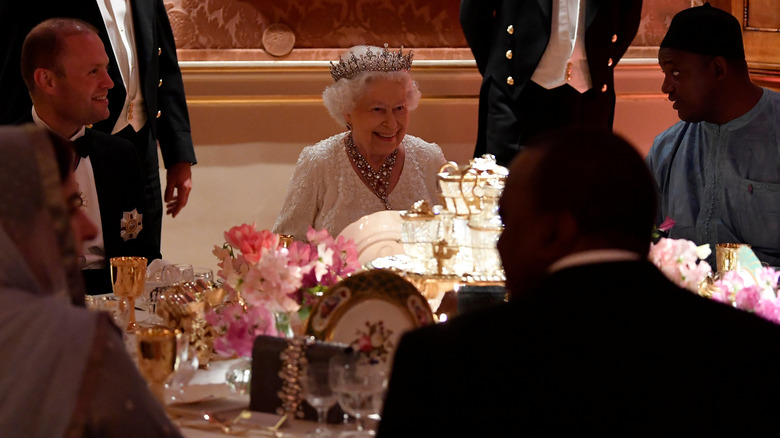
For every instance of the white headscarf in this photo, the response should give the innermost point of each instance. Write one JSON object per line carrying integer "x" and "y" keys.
{"x": 45, "y": 340}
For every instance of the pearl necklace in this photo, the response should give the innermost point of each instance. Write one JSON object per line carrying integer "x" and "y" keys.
{"x": 378, "y": 181}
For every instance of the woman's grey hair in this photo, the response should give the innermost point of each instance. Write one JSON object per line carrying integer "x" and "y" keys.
{"x": 341, "y": 97}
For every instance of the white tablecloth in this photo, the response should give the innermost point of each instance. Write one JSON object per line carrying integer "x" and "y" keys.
{"x": 208, "y": 391}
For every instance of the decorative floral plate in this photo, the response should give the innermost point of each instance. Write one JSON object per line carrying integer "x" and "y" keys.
{"x": 369, "y": 311}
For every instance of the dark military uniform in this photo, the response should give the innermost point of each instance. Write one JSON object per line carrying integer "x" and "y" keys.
{"x": 509, "y": 37}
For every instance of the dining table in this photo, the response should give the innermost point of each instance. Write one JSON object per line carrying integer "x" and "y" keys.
{"x": 208, "y": 407}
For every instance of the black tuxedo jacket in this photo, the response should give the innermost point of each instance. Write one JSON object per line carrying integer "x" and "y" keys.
{"x": 119, "y": 184}
{"x": 611, "y": 25}
{"x": 611, "y": 349}
{"x": 161, "y": 82}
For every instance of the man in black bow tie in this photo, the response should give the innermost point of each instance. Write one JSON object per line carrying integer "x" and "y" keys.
{"x": 595, "y": 340}
{"x": 64, "y": 65}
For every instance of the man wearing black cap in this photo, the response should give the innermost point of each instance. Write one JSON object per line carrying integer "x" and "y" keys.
{"x": 717, "y": 171}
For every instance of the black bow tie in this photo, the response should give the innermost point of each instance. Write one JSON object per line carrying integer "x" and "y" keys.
{"x": 81, "y": 145}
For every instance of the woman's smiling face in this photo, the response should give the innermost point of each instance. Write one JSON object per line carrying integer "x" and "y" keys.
{"x": 380, "y": 117}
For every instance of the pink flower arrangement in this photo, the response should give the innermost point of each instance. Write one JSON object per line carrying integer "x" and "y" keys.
{"x": 751, "y": 291}
{"x": 264, "y": 279}
{"x": 681, "y": 261}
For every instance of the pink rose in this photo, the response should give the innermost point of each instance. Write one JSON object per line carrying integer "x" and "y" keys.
{"x": 251, "y": 242}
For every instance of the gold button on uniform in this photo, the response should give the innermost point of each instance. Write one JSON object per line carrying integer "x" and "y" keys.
{"x": 159, "y": 84}
{"x": 609, "y": 63}
{"x": 603, "y": 90}
{"x": 159, "y": 51}
{"x": 508, "y": 54}
{"x": 510, "y": 80}
{"x": 159, "y": 113}
{"x": 510, "y": 29}
{"x": 614, "y": 38}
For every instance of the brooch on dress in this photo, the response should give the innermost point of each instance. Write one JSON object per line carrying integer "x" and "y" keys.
{"x": 131, "y": 224}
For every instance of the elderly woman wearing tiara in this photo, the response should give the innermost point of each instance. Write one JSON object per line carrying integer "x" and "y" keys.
{"x": 372, "y": 166}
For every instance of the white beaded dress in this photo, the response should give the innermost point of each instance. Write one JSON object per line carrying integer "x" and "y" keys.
{"x": 325, "y": 192}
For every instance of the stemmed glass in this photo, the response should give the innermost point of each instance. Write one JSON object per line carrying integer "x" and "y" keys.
{"x": 318, "y": 393}
{"x": 178, "y": 273}
{"x": 205, "y": 274}
{"x": 127, "y": 277}
{"x": 360, "y": 388}
{"x": 156, "y": 356}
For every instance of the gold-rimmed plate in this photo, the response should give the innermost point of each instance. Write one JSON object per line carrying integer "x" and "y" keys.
{"x": 369, "y": 311}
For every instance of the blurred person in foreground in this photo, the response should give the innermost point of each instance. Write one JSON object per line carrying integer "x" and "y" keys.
{"x": 717, "y": 170}
{"x": 595, "y": 340}
{"x": 65, "y": 67}
{"x": 375, "y": 165}
{"x": 64, "y": 371}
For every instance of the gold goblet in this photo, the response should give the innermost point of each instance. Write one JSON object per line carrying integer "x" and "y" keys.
{"x": 128, "y": 275}
{"x": 726, "y": 256}
{"x": 156, "y": 357}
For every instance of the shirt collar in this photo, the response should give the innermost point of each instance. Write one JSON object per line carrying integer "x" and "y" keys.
{"x": 593, "y": 256}
{"x": 41, "y": 124}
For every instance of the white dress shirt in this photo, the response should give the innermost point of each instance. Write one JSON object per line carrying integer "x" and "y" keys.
{"x": 94, "y": 250}
{"x": 564, "y": 60}
{"x": 118, "y": 18}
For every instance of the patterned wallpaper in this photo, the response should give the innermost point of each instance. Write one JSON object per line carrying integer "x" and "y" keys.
{"x": 323, "y": 24}
{"x": 239, "y": 24}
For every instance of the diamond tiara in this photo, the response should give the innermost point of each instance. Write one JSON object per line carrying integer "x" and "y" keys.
{"x": 385, "y": 61}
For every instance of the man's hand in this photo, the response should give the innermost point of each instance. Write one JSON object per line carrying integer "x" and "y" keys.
{"x": 179, "y": 177}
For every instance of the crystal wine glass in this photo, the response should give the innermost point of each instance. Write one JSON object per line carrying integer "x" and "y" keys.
{"x": 178, "y": 273}
{"x": 318, "y": 393}
{"x": 360, "y": 388}
{"x": 203, "y": 274}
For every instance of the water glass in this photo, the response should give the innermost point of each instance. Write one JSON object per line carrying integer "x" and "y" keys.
{"x": 203, "y": 274}
{"x": 177, "y": 273}
{"x": 360, "y": 388}
{"x": 318, "y": 393}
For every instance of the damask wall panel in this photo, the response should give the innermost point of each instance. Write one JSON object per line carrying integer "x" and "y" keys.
{"x": 239, "y": 24}
{"x": 236, "y": 27}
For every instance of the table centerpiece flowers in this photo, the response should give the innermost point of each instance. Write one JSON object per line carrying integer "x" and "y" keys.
{"x": 683, "y": 263}
{"x": 270, "y": 287}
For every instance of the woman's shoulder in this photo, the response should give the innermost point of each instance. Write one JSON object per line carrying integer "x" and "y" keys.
{"x": 417, "y": 146}
{"x": 423, "y": 151}
{"x": 322, "y": 151}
